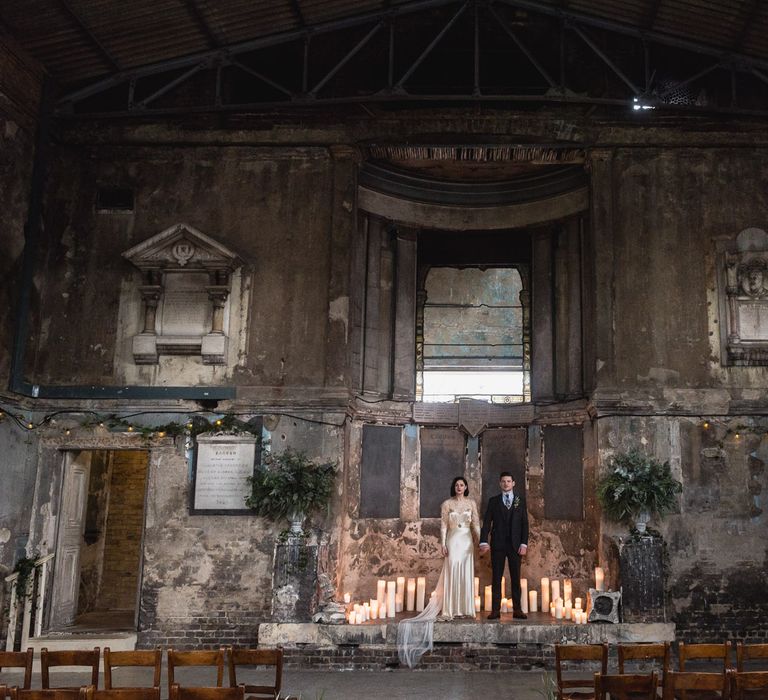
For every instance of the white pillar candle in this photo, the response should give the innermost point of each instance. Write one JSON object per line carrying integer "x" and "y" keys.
{"x": 504, "y": 605}
{"x": 524, "y": 594}
{"x": 568, "y": 609}
{"x": 391, "y": 594}
{"x": 366, "y": 611}
{"x": 421, "y": 591}
{"x": 359, "y": 617}
{"x": 545, "y": 594}
{"x": 577, "y": 604}
{"x": 567, "y": 589}
{"x": 410, "y": 598}
{"x": 381, "y": 591}
{"x": 383, "y": 610}
{"x": 552, "y": 609}
{"x": 477, "y": 585}
{"x": 532, "y": 602}
{"x": 374, "y": 609}
{"x": 559, "y": 609}
{"x": 400, "y": 594}
{"x": 477, "y": 604}
{"x": 347, "y": 598}
{"x": 488, "y": 598}
{"x": 599, "y": 579}
{"x": 555, "y": 589}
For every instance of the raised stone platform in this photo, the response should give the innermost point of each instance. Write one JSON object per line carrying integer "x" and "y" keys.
{"x": 463, "y": 644}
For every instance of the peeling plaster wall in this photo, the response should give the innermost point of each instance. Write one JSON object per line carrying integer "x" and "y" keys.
{"x": 271, "y": 206}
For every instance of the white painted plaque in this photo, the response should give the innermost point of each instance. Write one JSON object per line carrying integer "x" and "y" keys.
{"x": 753, "y": 320}
{"x": 222, "y": 468}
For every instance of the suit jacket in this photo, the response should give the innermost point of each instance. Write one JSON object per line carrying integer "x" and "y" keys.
{"x": 506, "y": 527}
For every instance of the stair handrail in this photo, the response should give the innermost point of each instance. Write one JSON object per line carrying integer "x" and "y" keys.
{"x": 37, "y": 583}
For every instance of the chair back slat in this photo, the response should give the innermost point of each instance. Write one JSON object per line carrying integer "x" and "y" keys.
{"x": 195, "y": 693}
{"x": 749, "y": 685}
{"x": 92, "y": 693}
{"x": 18, "y": 659}
{"x": 751, "y": 652}
{"x": 47, "y": 694}
{"x": 678, "y": 683}
{"x": 257, "y": 657}
{"x": 149, "y": 658}
{"x": 711, "y": 652}
{"x": 69, "y": 657}
{"x": 582, "y": 653}
{"x": 214, "y": 658}
{"x": 626, "y": 686}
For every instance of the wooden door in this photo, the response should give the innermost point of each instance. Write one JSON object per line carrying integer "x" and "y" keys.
{"x": 74, "y": 499}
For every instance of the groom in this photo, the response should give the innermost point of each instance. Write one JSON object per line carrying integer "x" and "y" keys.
{"x": 506, "y": 521}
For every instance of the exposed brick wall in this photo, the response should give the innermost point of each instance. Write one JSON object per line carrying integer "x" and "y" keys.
{"x": 125, "y": 522}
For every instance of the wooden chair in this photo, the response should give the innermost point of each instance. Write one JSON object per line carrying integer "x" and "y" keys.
{"x": 178, "y": 659}
{"x": 744, "y": 654}
{"x": 630, "y": 654}
{"x": 720, "y": 653}
{"x": 687, "y": 685}
{"x": 91, "y": 693}
{"x": 18, "y": 659}
{"x": 749, "y": 685}
{"x": 626, "y": 686}
{"x": 257, "y": 657}
{"x": 87, "y": 658}
{"x": 151, "y": 658}
{"x": 187, "y": 693}
{"x": 582, "y": 653}
{"x": 46, "y": 694}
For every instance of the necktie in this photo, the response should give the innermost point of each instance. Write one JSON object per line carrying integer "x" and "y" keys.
{"x": 507, "y": 501}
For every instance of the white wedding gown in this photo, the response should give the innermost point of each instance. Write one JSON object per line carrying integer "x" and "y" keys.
{"x": 454, "y": 594}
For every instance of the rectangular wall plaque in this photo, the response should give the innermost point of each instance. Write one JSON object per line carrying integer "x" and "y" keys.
{"x": 563, "y": 472}
{"x": 222, "y": 466}
{"x": 380, "y": 472}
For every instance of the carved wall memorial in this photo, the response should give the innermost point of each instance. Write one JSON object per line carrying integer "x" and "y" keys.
{"x": 746, "y": 298}
{"x": 185, "y": 291}
{"x": 223, "y": 464}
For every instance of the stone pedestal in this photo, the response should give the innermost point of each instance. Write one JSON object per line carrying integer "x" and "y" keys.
{"x": 641, "y": 566}
{"x": 294, "y": 578}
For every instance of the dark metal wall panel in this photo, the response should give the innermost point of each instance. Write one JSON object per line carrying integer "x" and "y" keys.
{"x": 502, "y": 450}
{"x": 443, "y": 457}
{"x": 380, "y": 472}
{"x": 563, "y": 472}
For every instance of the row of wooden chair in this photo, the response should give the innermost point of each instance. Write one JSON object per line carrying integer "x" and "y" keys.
{"x": 732, "y": 685}
{"x": 630, "y": 654}
{"x": 152, "y": 659}
{"x": 90, "y": 692}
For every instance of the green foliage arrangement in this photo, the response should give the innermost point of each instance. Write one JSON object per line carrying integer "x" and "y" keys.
{"x": 289, "y": 484}
{"x": 24, "y": 568}
{"x": 636, "y": 483}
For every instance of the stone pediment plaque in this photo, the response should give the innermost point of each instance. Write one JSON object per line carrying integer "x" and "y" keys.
{"x": 182, "y": 247}
{"x": 185, "y": 290}
{"x": 222, "y": 466}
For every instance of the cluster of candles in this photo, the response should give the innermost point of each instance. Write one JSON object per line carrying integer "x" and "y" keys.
{"x": 395, "y": 596}
{"x": 391, "y": 597}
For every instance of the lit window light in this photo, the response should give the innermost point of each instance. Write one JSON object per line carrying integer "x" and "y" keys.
{"x": 639, "y": 104}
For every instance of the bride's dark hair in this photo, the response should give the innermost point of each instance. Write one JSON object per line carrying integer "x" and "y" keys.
{"x": 453, "y": 486}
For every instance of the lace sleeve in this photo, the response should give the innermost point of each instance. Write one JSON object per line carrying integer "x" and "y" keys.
{"x": 475, "y": 521}
{"x": 444, "y": 515}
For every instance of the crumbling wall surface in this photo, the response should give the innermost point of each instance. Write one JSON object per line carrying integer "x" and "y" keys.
{"x": 20, "y": 85}
{"x": 272, "y": 206}
{"x": 655, "y": 241}
{"x": 717, "y": 561}
{"x": 207, "y": 579}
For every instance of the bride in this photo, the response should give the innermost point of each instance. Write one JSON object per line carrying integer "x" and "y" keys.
{"x": 455, "y": 592}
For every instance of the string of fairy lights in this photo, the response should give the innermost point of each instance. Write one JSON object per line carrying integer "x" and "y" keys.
{"x": 196, "y": 422}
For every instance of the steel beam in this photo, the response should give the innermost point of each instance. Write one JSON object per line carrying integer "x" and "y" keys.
{"x": 199, "y": 19}
{"x": 84, "y": 31}
{"x": 608, "y": 62}
{"x": 263, "y": 78}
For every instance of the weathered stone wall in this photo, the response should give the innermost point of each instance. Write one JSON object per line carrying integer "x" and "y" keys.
{"x": 20, "y": 86}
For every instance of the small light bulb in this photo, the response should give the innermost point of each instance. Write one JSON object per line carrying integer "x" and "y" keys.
{"x": 705, "y": 425}
{"x": 130, "y": 428}
{"x": 30, "y": 426}
{"x": 161, "y": 434}
{"x": 737, "y": 436}
{"x": 189, "y": 426}
{"x": 101, "y": 425}
{"x": 218, "y": 422}
{"x": 67, "y": 431}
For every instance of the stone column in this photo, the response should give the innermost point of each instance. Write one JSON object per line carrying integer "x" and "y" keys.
{"x": 150, "y": 295}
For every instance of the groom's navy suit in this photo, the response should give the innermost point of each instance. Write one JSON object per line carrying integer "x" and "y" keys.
{"x": 507, "y": 529}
